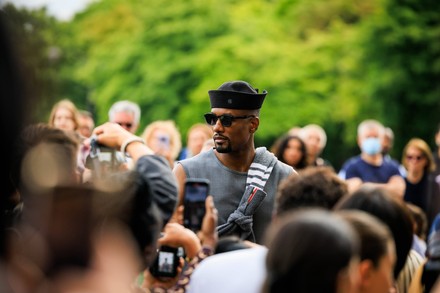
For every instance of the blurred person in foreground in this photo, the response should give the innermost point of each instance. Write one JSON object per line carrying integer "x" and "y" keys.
{"x": 394, "y": 213}
{"x": 377, "y": 252}
{"x": 83, "y": 234}
{"x": 312, "y": 251}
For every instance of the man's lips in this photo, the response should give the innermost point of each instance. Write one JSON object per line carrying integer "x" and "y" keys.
{"x": 220, "y": 139}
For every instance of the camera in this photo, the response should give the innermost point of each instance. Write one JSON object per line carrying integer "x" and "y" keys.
{"x": 103, "y": 159}
{"x": 166, "y": 262}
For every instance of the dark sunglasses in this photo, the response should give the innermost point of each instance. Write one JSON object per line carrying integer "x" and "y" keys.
{"x": 225, "y": 119}
{"x": 417, "y": 158}
{"x": 128, "y": 125}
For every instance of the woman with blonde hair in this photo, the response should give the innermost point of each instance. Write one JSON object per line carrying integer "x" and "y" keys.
{"x": 419, "y": 163}
{"x": 197, "y": 135}
{"x": 164, "y": 139}
{"x": 64, "y": 115}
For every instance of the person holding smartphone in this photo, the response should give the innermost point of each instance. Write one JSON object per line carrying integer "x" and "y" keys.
{"x": 197, "y": 247}
{"x": 231, "y": 166}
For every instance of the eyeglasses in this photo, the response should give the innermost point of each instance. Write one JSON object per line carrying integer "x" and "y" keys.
{"x": 417, "y": 158}
{"x": 128, "y": 125}
{"x": 225, "y": 119}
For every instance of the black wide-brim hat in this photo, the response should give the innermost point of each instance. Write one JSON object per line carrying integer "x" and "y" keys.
{"x": 236, "y": 95}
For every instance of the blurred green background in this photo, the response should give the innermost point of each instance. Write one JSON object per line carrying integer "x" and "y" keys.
{"x": 330, "y": 62}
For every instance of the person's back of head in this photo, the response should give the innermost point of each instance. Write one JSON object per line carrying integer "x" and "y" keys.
{"x": 311, "y": 251}
{"x": 431, "y": 269}
{"x": 136, "y": 209}
{"x": 377, "y": 253}
{"x": 312, "y": 187}
{"x": 70, "y": 222}
{"x": 229, "y": 243}
{"x": 46, "y": 156}
{"x": 389, "y": 210}
{"x": 420, "y": 220}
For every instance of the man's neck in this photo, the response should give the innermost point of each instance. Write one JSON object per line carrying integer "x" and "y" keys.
{"x": 375, "y": 160}
{"x": 237, "y": 161}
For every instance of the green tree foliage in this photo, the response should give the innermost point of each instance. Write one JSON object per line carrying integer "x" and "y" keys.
{"x": 333, "y": 63}
{"x": 402, "y": 59}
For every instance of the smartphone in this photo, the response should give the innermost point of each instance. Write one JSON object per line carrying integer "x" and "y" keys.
{"x": 166, "y": 262}
{"x": 164, "y": 142}
{"x": 195, "y": 193}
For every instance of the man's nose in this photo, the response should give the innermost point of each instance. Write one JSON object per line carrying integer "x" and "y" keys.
{"x": 218, "y": 126}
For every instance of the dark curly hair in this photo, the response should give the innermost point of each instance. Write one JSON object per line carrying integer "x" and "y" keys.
{"x": 312, "y": 187}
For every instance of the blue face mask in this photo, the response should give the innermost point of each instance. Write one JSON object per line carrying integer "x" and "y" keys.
{"x": 371, "y": 146}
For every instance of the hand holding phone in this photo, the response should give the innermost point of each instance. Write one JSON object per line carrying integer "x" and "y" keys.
{"x": 196, "y": 191}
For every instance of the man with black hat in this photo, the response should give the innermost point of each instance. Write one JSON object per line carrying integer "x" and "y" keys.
{"x": 243, "y": 179}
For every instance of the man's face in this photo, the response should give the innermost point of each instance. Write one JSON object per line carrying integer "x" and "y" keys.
{"x": 313, "y": 142}
{"x": 370, "y": 133}
{"x": 235, "y": 137}
{"x": 85, "y": 126}
{"x": 126, "y": 120}
{"x": 63, "y": 119}
{"x": 370, "y": 141}
{"x": 386, "y": 144}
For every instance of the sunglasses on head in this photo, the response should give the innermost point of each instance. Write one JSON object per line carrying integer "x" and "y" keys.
{"x": 128, "y": 125}
{"x": 417, "y": 158}
{"x": 225, "y": 119}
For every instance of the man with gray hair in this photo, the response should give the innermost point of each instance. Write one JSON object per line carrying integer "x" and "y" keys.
{"x": 315, "y": 138}
{"x": 370, "y": 167}
{"x": 125, "y": 113}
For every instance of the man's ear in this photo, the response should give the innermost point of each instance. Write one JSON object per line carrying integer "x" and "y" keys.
{"x": 366, "y": 270}
{"x": 255, "y": 122}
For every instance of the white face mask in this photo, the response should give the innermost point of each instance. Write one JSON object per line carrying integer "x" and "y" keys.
{"x": 371, "y": 146}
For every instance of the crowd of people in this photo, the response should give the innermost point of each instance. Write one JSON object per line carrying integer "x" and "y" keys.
{"x": 89, "y": 207}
